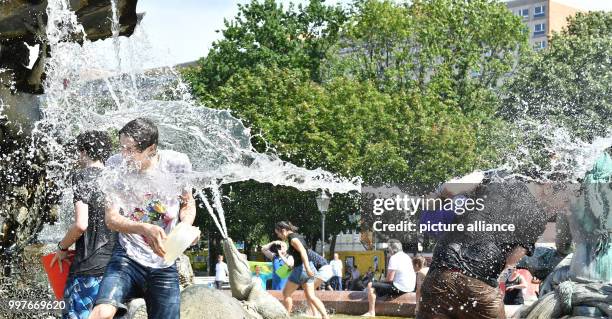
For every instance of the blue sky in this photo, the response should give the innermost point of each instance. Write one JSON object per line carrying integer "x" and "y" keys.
{"x": 182, "y": 31}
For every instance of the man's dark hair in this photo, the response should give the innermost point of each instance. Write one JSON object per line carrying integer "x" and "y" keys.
{"x": 96, "y": 144}
{"x": 143, "y": 131}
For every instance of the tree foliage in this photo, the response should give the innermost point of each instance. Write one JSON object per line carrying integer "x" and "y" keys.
{"x": 391, "y": 92}
{"x": 252, "y": 209}
{"x": 468, "y": 44}
{"x": 568, "y": 84}
{"x": 266, "y": 33}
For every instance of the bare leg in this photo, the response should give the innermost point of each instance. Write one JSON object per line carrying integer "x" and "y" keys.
{"x": 313, "y": 299}
{"x": 312, "y": 311}
{"x": 103, "y": 311}
{"x": 288, "y": 290}
{"x": 371, "y": 301}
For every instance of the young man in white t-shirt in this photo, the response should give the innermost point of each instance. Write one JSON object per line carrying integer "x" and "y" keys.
{"x": 146, "y": 197}
{"x": 221, "y": 272}
{"x": 401, "y": 277}
{"x": 336, "y": 279}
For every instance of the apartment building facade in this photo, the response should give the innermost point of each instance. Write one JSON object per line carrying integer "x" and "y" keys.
{"x": 541, "y": 17}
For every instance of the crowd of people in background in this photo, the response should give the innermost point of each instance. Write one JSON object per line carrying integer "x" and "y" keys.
{"x": 310, "y": 271}
{"x": 401, "y": 274}
{"x": 331, "y": 275}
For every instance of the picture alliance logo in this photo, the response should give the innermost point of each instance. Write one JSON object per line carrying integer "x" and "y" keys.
{"x": 457, "y": 204}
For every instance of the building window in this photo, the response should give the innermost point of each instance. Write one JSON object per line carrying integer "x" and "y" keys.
{"x": 539, "y": 45}
{"x": 539, "y": 11}
{"x": 524, "y": 13}
{"x": 539, "y": 29}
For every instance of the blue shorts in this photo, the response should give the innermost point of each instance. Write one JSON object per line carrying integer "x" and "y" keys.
{"x": 125, "y": 279}
{"x": 299, "y": 276}
{"x": 79, "y": 295}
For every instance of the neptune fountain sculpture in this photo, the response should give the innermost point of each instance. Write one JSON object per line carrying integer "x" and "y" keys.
{"x": 580, "y": 285}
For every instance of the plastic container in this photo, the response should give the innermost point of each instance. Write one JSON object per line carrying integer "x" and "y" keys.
{"x": 283, "y": 271}
{"x": 57, "y": 279}
{"x": 179, "y": 239}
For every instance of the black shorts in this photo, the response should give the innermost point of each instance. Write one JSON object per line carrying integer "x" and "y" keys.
{"x": 384, "y": 289}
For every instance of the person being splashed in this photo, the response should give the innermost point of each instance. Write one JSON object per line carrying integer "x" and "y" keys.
{"x": 146, "y": 198}
{"x": 463, "y": 278}
{"x": 93, "y": 240}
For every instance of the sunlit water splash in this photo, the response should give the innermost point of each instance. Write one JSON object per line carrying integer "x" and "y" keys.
{"x": 103, "y": 85}
{"x": 567, "y": 157}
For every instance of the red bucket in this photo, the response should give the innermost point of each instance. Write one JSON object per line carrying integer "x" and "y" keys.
{"x": 57, "y": 279}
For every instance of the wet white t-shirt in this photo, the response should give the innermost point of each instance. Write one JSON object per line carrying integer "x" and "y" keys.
{"x": 405, "y": 277}
{"x": 151, "y": 197}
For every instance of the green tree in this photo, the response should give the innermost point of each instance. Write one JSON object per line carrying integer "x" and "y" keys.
{"x": 447, "y": 60}
{"x": 473, "y": 44}
{"x": 265, "y": 33}
{"x": 329, "y": 125}
{"x": 568, "y": 84}
{"x": 399, "y": 94}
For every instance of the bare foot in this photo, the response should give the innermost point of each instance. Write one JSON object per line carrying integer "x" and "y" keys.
{"x": 369, "y": 314}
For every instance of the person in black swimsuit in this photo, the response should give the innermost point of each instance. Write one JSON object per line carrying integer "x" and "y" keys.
{"x": 303, "y": 272}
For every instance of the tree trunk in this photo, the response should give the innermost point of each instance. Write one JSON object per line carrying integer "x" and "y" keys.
{"x": 214, "y": 250}
{"x": 247, "y": 249}
{"x": 332, "y": 246}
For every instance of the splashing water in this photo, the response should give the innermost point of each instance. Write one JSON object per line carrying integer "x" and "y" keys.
{"x": 103, "y": 85}
{"x": 567, "y": 155}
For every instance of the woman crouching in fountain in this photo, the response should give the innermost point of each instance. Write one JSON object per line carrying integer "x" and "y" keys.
{"x": 303, "y": 272}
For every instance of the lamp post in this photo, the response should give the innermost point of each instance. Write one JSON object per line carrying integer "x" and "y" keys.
{"x": 323, "y": 203}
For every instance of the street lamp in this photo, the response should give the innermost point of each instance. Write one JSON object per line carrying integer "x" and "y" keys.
{"x": 323, "y": 203}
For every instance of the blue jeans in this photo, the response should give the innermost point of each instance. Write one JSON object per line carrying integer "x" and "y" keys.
{"x": 336, "y": 282}
{"x": 125, "y": 279}
{"x": 299, "y": 276}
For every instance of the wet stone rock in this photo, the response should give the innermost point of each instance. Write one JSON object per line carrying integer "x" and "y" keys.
{"x": 202, "y": 302}
{"x": 28, "y": 282}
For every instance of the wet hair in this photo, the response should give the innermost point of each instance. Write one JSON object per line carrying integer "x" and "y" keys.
{"x": 285, "y": 225}
{"x": 419, "y": 261}
{"x": 143, "y": 131}
{"x": 96, "y": 144}
{"x": 395, "y": 246}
